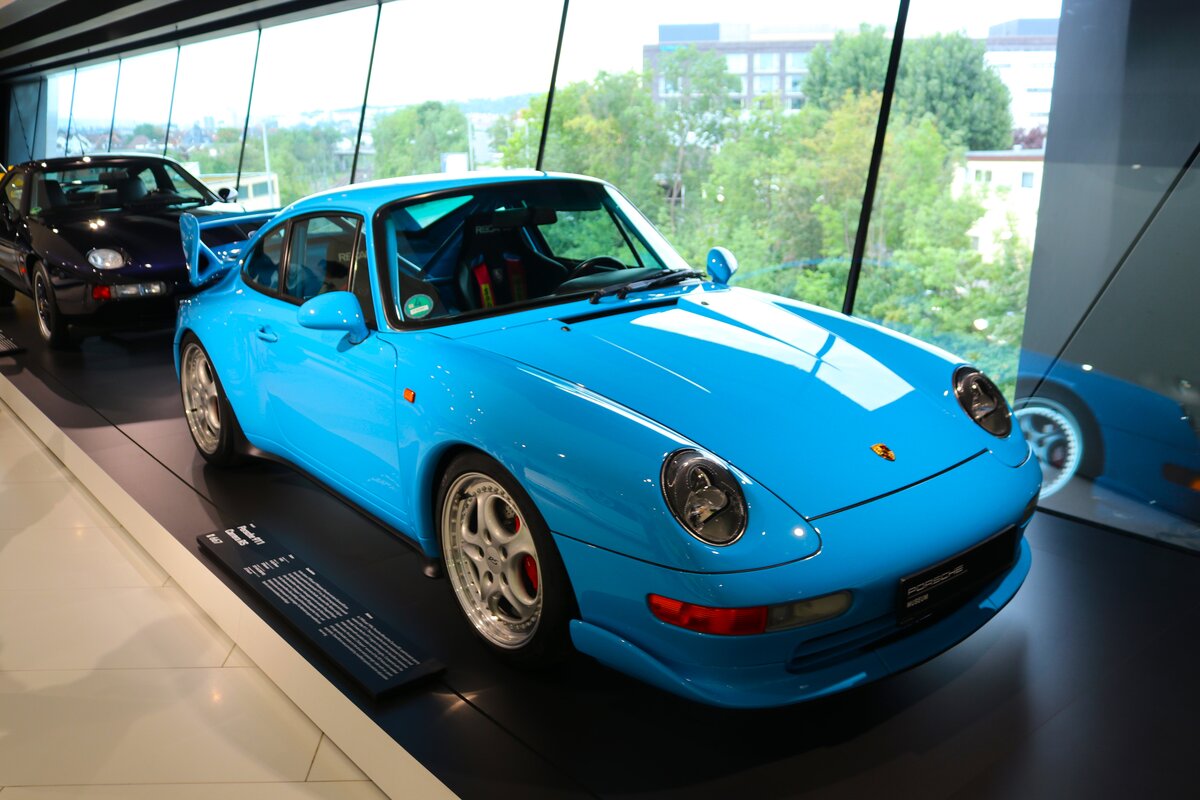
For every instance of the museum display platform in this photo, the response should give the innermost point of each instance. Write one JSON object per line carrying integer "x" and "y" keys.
{"x": 1083, "y": 686}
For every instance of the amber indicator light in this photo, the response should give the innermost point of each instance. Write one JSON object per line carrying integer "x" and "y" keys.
{"x": 410, "y": 395}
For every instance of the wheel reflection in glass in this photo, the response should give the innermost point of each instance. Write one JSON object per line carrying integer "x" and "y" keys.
{"x": 1054, "y": 436}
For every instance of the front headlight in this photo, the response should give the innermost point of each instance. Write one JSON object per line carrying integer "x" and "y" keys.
{"x": 104, "y": 258}
{"x": 704, "y": 496}
{"x": 982, "y": 401}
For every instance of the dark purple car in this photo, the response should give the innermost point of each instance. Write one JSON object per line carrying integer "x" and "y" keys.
{"x": 94, "y": 240}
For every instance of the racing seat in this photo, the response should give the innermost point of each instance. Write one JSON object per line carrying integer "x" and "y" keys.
{"x": 498, "y": 266}
{"x": 49, "y": 194}
{"x": 130, "y": 190}
{"x": 335, "y": 267}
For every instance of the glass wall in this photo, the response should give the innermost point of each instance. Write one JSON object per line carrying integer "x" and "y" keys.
{"x": 143, "y": 104}
{"x": 684, "y": 106}
{"x": 60, "y": 95}
{"x": 1109, "y": 391}
{"x": 951, "y": 236}
{"x": 212, "y": 91}
{"x": 308, "y": 94}
{"x": 92, "y": 111}
{"x": 447, "y": 97}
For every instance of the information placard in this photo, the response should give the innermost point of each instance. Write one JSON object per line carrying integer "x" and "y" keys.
{"x": 8, "y": 347}
{"x": 365, "y": 648}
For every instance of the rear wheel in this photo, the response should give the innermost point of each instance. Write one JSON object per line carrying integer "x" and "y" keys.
{"x": 210, "y": 418}
{"x": 51, "y": 324}
{"x": 502, "y": 564}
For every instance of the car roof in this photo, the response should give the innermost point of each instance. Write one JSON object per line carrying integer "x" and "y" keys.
{"x": 60, "y": 162}
{"x": 366, "y": 197}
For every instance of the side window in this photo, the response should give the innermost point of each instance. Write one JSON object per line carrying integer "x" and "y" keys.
{"x": 14, "y": 189}
{"x": 262, "y": 268}
{"x": 320, "y": 257}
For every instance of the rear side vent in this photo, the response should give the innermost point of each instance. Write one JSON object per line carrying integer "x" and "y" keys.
{"x": 624, "y": 308}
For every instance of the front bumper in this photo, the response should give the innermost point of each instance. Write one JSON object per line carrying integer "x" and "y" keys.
{"x": 867, "y": 550}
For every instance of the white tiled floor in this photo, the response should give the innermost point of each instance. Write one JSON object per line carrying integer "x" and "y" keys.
{"x": 112, "y": 683}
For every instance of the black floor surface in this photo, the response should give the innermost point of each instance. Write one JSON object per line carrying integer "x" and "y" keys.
{"x": 1082, "y": 687}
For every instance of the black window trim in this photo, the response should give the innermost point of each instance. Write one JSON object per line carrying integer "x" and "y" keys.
{"x": 285, "y": 256}
{"x": 382, "y": 257}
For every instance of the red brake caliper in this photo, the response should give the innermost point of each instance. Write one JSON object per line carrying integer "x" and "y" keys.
{"x": 531, "y": 576}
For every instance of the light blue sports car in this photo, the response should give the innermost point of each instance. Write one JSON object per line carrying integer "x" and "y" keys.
{"x": 742, "y": 499}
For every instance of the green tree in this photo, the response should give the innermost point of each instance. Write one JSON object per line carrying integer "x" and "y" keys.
{"x": 696, "y": 116}
{"x": 946, "y": 76}
{"x": 854, "y": 63}
{"x": 412, "y": 140}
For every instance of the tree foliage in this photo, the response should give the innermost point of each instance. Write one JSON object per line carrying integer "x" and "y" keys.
{"x": 412, "y": 140}
{"x": 944, "y": 76}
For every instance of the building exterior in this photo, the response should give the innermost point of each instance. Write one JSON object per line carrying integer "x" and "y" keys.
{"x": 1008, "y": 184}
{"x": 1022, "y": 52}
{"x": 765, "y": 67}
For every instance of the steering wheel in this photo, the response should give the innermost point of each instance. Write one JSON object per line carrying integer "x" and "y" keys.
{"x": 595, "y": 264}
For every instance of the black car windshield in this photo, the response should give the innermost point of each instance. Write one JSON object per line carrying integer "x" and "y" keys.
{"x": 492, "y": 246}
{"x": 139, "y": 184}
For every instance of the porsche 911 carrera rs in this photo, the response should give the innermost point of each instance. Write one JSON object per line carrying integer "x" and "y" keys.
{"x": 736, "y": 497}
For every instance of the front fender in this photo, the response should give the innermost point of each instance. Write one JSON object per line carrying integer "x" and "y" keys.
{"x": 591, "y": 465}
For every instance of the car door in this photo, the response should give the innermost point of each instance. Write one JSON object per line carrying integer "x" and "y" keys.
{"x": 12, "y": 250}
{"x": 332, "y": 403}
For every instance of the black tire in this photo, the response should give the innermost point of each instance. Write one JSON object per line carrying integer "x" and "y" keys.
{"x": 51, "y": 324}
{"x": 211, "y": 421}
{"x": 474, "y": 483}
{"x": 7, "y": 293}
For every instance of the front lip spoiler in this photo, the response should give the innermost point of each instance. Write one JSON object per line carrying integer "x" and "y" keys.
{"x": 897, "y": 490}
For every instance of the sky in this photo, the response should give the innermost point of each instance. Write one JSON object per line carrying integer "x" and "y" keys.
{"x": 466, "y": 49}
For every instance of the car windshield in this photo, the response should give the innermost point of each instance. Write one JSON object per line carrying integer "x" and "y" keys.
{"x": 113, "y": 186}
{"x": 500, "y": 245}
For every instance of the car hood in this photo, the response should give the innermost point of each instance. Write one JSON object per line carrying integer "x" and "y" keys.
{"x": 150, "y": 241}
{"x": 793, "y": 405}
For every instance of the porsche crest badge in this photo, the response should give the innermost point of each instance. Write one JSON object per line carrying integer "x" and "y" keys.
{"x": 883, "y": 451}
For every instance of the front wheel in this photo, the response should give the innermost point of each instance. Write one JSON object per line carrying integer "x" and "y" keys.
{"x": 51, "y": 324}
{"x": 502, "y": 564}
{"x": 210, "y": 419}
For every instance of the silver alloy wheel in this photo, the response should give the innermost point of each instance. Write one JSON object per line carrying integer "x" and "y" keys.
{"x": 201, "y": 398}
{"x": 42, "y": 300}
{"x": 1054, "y": 436}
{"x": 491, "y": 560}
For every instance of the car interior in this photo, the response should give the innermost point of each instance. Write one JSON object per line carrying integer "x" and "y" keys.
{"x": 512, "y": 244}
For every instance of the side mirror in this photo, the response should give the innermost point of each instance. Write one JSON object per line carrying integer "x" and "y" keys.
{"x": 227, "y": 194}
{"x": 721, "y": 265}
{"x": 334, "y": 311}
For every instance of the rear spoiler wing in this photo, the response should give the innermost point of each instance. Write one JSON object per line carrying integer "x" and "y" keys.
{"x": 205, "y": 263}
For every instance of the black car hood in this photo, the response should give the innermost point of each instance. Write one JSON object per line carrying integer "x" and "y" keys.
{"x": 149, "y": 240}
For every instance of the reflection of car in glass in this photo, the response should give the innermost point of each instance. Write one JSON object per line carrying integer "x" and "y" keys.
{"x": 95, "y": 239}
{"x": 739, "y": 498}
{"x": 1127, "y": 438}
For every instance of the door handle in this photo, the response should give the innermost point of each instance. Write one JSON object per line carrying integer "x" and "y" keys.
{"x": 266, "y": 334}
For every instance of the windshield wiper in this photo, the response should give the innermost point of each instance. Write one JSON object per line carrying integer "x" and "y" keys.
{"x": 665, "y": 279}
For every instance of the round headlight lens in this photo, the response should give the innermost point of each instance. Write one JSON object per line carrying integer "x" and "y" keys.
{"x": 982, "y": 401}
{"x": 104, "y": 258}
{"x": 704, "y": 496}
